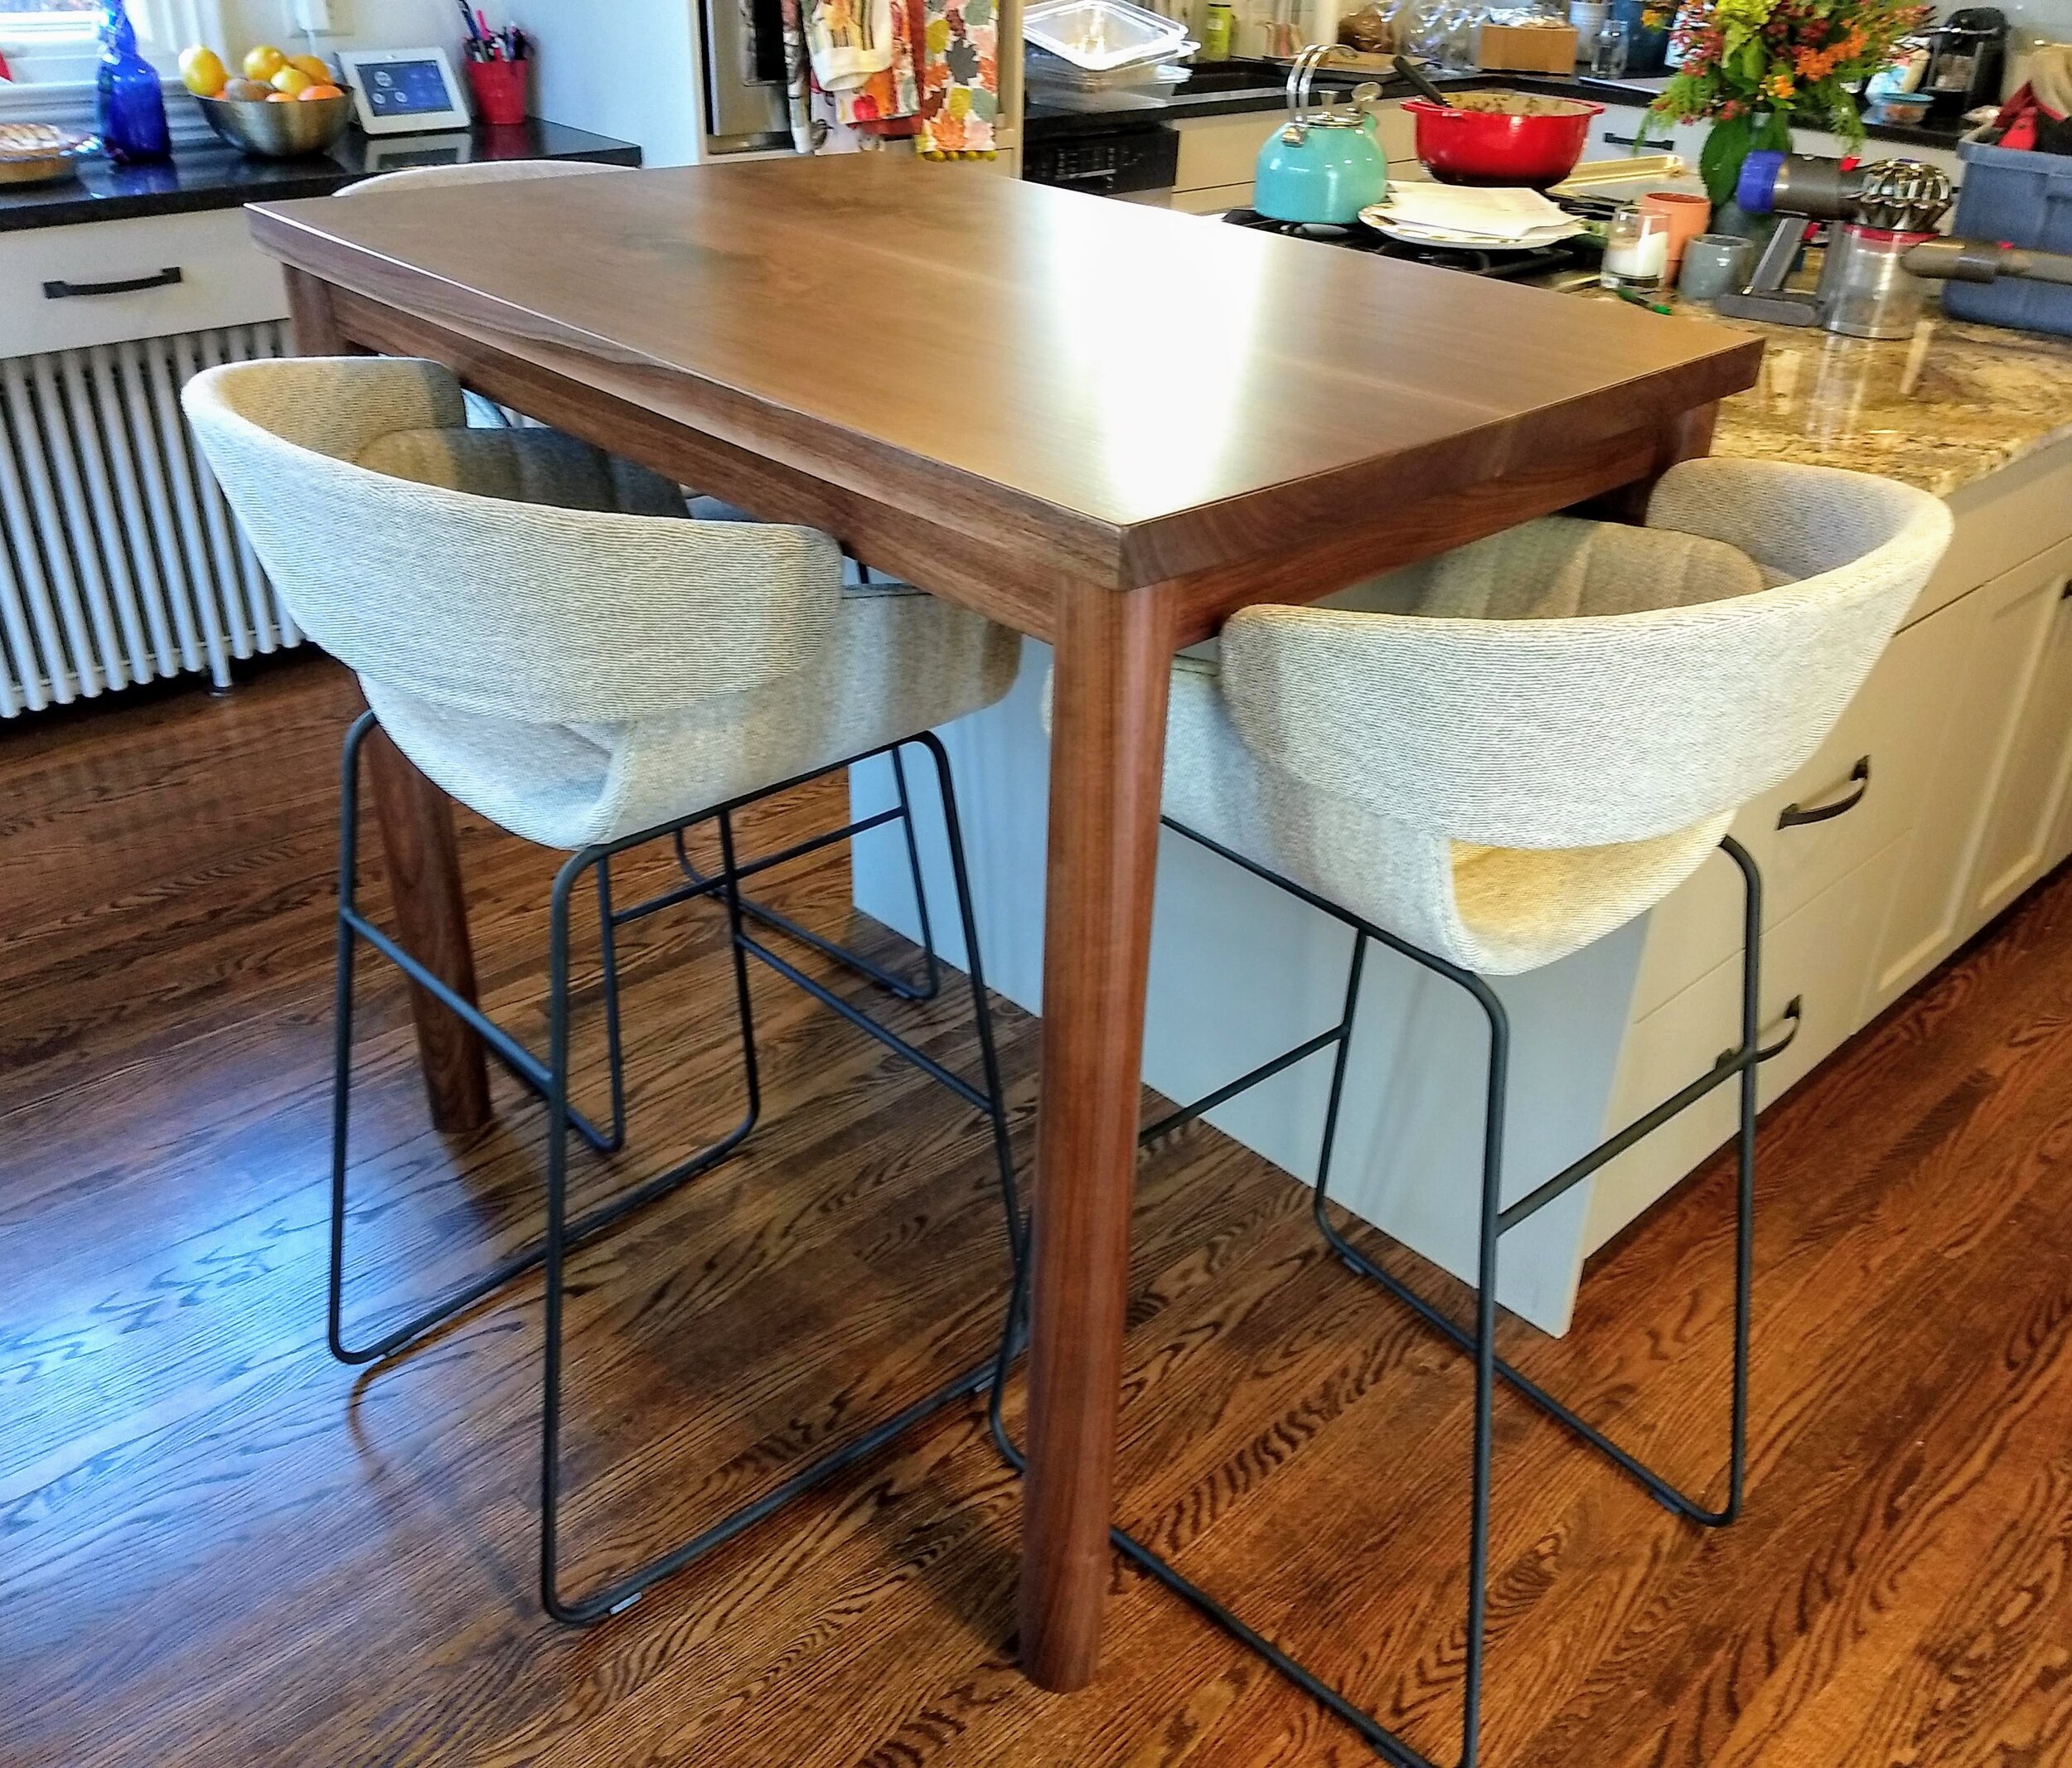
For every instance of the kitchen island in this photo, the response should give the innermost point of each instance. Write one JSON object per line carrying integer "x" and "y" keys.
{"x": 1951, "y": 767}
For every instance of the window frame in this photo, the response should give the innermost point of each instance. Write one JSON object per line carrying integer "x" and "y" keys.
{"x": 44, "y": 53}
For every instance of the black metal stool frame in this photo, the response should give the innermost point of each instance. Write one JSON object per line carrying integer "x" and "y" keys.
{"x": 551, "y": 1078}
{"x": 1496, "y": 1219}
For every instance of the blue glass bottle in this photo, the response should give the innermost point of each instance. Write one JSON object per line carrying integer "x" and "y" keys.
{"x": 131, "y": 107}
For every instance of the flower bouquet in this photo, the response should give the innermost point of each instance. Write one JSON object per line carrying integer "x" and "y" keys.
{"x": 1756, "y": 66}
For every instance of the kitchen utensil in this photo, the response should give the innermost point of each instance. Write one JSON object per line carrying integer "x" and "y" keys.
{"x": 1588, "y": 17}
{"x": 1408, "y": 70}
{"x": 1687, "y": 216}
{"x": 1714, "y": 265}
{"x": 1472, "y": 143}
{"x": 40, "y": 153}
{"x": 1321, "y": 166}
{"x": 279, "y": 132}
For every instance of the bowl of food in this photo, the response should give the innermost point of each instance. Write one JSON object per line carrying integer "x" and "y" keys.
{"x": 1502, "y": 137}
{"x": 281, "y": 107}
{"x": 40, "y": 153}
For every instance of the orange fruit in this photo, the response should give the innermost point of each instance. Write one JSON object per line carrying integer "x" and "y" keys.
{"x": 323, "y": 92}
{"x": 264, "y": 62}
{"x": 280, "y": 97}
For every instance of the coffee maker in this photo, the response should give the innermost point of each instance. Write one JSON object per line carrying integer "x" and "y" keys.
{"x": 1968, "y": 58}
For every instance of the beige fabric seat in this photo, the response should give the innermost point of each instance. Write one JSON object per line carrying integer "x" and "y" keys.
{"x": 1530, "y": 741}
{"x": 542, "y": 629}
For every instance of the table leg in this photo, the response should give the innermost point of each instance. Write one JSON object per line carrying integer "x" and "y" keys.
{"x": 1114, "y": 654}
{"x": 416, "y": 820}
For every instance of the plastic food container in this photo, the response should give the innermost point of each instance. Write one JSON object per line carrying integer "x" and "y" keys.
{"x": 1100, "y": 35}
{"x": 1141, "y": 85}
{"x": 2022, "y": 198}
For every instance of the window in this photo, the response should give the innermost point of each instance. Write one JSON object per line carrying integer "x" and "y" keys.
{"x": 53, "y": 41}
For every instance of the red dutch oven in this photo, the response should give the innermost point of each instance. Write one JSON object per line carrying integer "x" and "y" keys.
{"x": 1490, "y": 146}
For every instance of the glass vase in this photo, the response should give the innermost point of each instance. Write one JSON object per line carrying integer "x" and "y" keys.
{"x": 128, "y": 102}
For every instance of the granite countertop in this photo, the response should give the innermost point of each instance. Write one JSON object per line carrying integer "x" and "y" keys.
{"x": 1947, "y": 406}
{"x": 212, "y": 176}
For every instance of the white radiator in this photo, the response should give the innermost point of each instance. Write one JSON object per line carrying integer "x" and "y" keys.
{"x": 119, "y": 562}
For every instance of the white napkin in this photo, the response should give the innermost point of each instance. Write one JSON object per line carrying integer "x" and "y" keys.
{"x": 1496, "y": 213}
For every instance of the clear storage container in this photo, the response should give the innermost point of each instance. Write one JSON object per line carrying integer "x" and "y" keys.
{"x": 1100, "y": 35}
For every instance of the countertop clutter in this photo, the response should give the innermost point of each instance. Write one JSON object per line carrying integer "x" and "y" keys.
{"x": 1938, "y": 410}
{"x": 215, "y": 176}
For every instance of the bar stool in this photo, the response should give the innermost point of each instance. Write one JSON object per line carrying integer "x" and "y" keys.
{"x": 1545, "y": 733}
{"x": 548, "y": 637}
{"x": 641, "y": 492}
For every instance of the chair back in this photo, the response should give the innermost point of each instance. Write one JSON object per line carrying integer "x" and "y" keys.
{"x": 474, "y": 171}
{"x": 1603, "y": 727}
{"x": 525, "y": 609}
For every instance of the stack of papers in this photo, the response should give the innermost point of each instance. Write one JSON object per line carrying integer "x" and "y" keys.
{"x": 1471, "y": 216}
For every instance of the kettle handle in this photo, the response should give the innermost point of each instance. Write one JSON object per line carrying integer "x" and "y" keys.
{"x": 1301, "y": 77}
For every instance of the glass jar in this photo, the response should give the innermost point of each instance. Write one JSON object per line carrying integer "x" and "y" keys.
{"x": 1636, "y": 249}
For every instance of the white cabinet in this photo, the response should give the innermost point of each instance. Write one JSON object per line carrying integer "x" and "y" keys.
{"x": 1861, "y": 792}
{"x": 2019, "y": 840}
{"x": 102, "y": 282}
{"x": 1816, "y": 966}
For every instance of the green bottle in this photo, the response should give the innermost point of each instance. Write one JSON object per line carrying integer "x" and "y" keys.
{"x": 1217, "y": 29}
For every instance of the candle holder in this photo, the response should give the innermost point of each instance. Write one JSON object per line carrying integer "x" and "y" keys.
{"x": 1636, "y": 250}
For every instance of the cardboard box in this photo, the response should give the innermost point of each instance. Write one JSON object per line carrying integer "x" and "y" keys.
{"x": 1548, "y": 48}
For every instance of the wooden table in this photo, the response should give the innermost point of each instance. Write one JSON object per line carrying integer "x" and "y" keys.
{"x": 1105, "y": 425}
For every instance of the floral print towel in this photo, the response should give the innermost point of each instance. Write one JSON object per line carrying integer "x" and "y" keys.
{"x": 940, "y": 87}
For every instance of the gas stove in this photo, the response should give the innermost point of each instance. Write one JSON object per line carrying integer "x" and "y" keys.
{"x": 1580, "y": 254}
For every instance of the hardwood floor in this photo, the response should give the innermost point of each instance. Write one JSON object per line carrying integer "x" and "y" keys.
{"x": 219, "y": 1546}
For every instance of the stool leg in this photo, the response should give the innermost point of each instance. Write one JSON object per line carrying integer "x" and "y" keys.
{"x": 981, "y": 1007}
{"x": 341, "y": 1027}
{"x": 1498, "y": 1089}
{"x": 607, "y": 955}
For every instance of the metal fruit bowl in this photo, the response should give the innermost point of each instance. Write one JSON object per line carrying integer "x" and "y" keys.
{"x": 279, "y": 132}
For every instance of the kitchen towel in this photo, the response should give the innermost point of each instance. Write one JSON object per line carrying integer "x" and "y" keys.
{"x": 939, "y": 83}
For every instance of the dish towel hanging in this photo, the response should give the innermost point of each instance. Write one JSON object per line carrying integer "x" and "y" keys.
{"x": 862, "y": 73}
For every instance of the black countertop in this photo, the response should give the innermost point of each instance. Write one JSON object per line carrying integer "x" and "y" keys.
{"x": 1233, "y": 88}
{"x": 215, "y": 176}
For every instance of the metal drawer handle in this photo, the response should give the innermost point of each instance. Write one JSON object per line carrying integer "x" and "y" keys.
{"x": 1793, "y": 1016}
{"x": 1641, "y": 140}
{"x": 1789, "y": 1021}
{"x": 1794, "y": 817}
{"x": 64, "y": 291}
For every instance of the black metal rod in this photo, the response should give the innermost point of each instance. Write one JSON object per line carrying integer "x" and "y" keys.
{"x": 1734, "y": 1062}
{"x": 700, "y": 885}
{"x": 863, "y": 1022}
{"x": 1265, "y": 1071}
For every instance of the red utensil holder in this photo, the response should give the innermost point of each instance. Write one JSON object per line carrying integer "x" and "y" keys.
{"x": 500, "y": 90}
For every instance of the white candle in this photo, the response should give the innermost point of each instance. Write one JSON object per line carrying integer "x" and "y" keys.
{"x": 1644, "y": 255}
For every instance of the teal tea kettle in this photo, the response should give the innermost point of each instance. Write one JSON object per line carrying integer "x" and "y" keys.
{"x": 1321, "y": 166}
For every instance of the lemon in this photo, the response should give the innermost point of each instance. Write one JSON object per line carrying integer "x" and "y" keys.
{"x": 202, "y": 71}
{"x": 264, "y": 62}
{"x": 293, "y": 81}
{"x": 314, "y": 65}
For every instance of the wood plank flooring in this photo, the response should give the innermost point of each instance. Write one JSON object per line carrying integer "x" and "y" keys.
{"x": 219, "y": 1546}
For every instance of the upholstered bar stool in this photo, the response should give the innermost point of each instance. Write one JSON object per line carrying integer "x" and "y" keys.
{"x": 1537, "y": 738}
{"x": 654, "y": 495}
{"x": 544, "y": 633}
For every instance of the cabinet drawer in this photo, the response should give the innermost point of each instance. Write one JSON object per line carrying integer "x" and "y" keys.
{"x": 224, "y": 280}
{"x": 1889, "y": 732}
{"x": 1820, "y": 959}
{"x": 1221, "y": 150}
